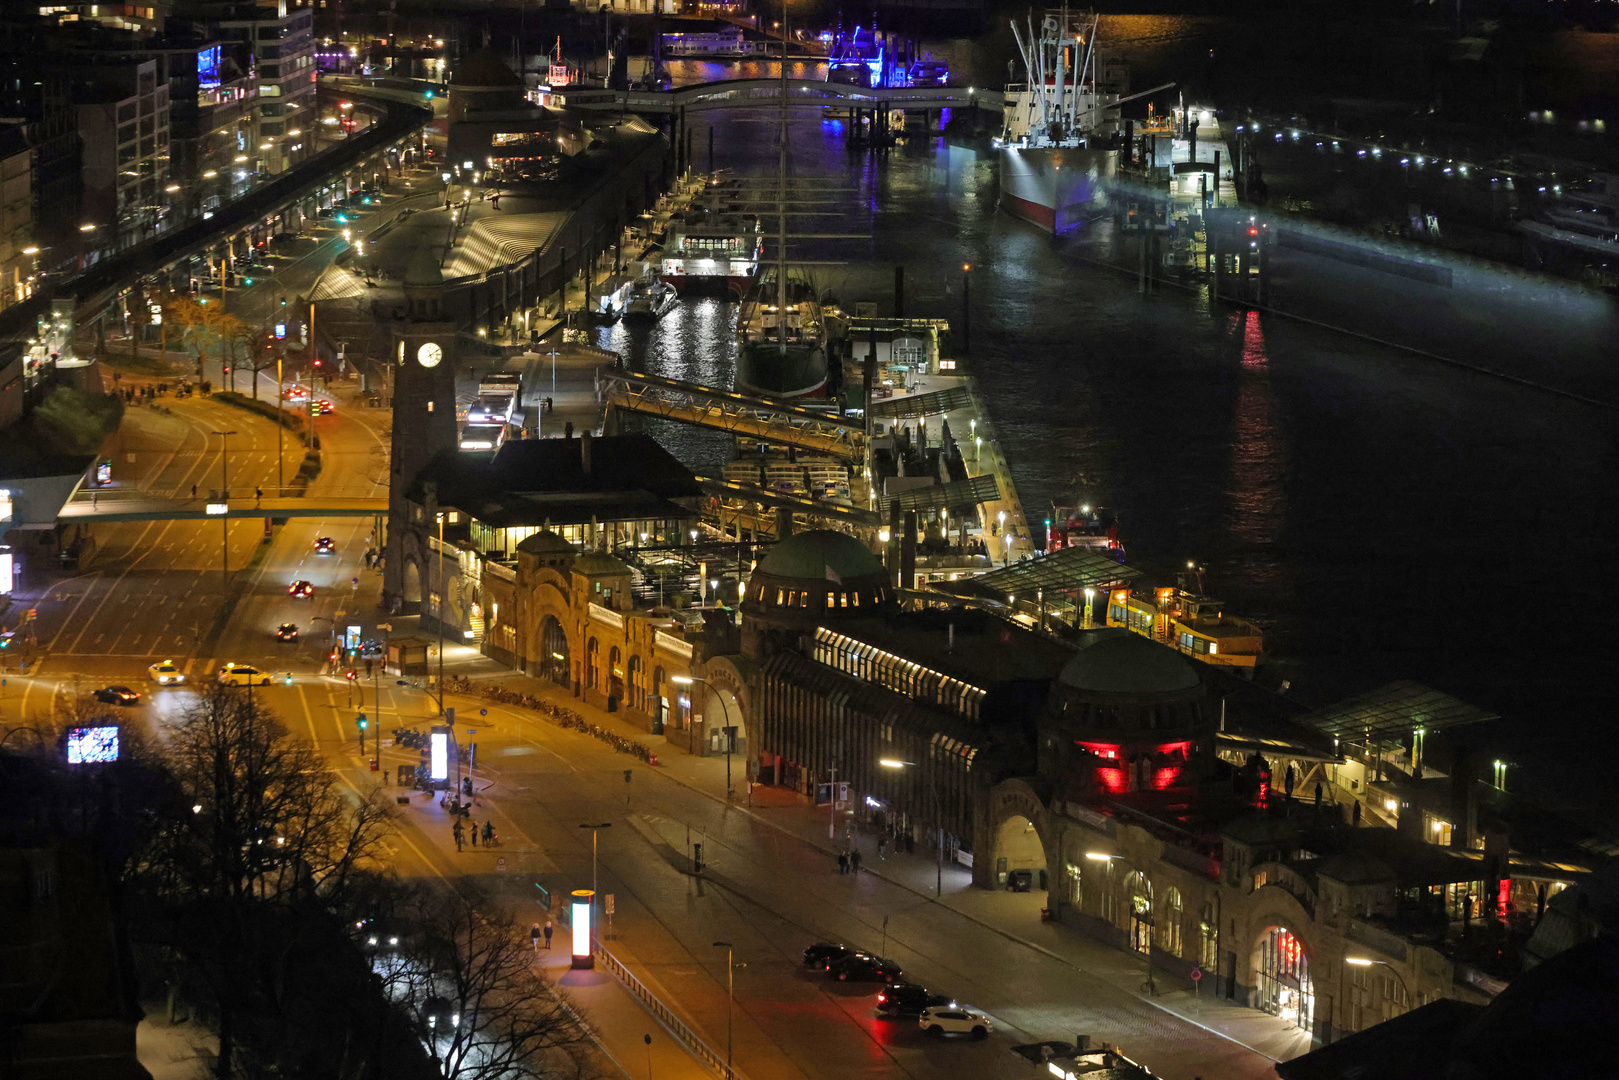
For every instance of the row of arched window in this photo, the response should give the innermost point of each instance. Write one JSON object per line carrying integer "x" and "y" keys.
{"x": 774, "y": 596}
{"x": 1131, "y": 906}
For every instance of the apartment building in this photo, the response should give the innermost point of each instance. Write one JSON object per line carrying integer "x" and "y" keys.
{"x": 280, "y": 37}
{"x": 123, "y": 121}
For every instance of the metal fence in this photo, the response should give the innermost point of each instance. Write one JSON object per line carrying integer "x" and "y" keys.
{"x": 676, "y": 1027}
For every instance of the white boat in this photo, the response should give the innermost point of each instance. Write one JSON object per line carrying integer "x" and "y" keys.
{"x": 652, "y": 299}
{"x": 1056, "y": 151}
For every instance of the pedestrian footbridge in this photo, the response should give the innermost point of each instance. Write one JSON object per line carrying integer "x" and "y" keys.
{"x": 759, "y": 418}
{"x": 767, "y": 93}
{"x": 112, "y": 506}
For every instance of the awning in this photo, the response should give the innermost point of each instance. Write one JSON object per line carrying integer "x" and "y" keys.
{"x": 1062, "y": 571}
{"x": 1392, "y": 712}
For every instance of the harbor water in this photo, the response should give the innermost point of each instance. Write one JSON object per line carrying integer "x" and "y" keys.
{"x": 1382, "y": 515}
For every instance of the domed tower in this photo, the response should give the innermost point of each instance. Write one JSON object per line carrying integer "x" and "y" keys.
{"x": 1125, "y": 714}
{"x": 808, "y": 579}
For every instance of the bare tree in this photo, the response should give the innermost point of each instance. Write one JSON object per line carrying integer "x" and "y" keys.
{"x": 465, "y": 978}
{"x": 258, "y": 832}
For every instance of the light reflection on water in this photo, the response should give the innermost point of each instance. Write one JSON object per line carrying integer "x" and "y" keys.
{"x": 1373, "y": 512}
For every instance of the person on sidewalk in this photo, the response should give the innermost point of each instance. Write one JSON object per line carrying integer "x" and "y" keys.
{"x": 474, "y": 825}
{"x": 534, "y": 936}
{"x": 854, "y": 861}
{"x": 459, "y": 835}
{"x": 548, "y": 933}
{"x": 882, "y": 848}
{"x": 843, "y": 862}
{"x": 488, "y": 832}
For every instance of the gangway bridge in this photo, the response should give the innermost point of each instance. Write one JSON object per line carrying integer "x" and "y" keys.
{"x": 752, "y": 417}
{"x": 766, "y": 93}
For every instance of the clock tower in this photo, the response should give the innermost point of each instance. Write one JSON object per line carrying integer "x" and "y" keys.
{"x": 423, "y": 356}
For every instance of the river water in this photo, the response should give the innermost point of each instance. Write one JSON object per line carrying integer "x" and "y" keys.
{"x": 1383, "y": 516}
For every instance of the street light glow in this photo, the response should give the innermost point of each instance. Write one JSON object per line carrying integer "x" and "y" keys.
{"x": 890, "y": 763}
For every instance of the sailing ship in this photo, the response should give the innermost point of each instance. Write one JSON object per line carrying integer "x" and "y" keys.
{"x": 1056, "y": 154}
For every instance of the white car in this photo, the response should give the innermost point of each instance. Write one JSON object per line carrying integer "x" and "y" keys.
{"x": 165, "y": 673}
{"x": 244, "y": 675}
{"x": 954, "y": 1020}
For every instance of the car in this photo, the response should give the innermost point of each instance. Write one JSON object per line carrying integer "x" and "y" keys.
{"x": 908, "y": 999}
{"x": 301, "y": 590}
{"x": 954, "y": 1020}
{"x": 864, "y": 967}
{"x": 165, "y": 673}
{"x": 325, "y": 545}
{"x": 326, "y": 407}
{"x": 118, "y": 695}
{"x": 286, "y": 632}
{"x": 295, "y": 393}
{"x": 243, "y": 675}
{"x": 823, "y": 953}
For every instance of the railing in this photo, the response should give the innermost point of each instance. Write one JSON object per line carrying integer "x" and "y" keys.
{"x": 676, "y": 1027}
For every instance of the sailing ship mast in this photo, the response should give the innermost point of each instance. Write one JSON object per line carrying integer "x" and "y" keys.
{"x": 781, "y": 197}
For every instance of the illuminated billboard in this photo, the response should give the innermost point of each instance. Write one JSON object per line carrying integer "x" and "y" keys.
{"x": 440, "y": 744}
{"x": 89, "y": 745}
{"x": 208, "y": 68}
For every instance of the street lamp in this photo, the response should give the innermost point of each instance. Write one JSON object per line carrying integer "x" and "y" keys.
{"x": 687, "y": 680}
{"x": 224, "y": 497}
{"x": 730, "y": 1001}
{"x": 440, "y": 614}
{"x": 938, "y": 823}
{"x": 594, "y": 830}
{"x": 1366, "y": 961}
{"x": 1090, "y": 594}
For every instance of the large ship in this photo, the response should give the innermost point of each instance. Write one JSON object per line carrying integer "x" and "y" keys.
{"x": 784, "y": 347}
{"x": 1057, "y": 150}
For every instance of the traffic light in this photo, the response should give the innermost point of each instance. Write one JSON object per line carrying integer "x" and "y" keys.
{"x": 361, "y": 721}
{"x": 283, "y": 301}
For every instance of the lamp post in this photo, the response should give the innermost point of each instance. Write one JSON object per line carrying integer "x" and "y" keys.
{"x": 966, "y": 306}
{"x": 1366, "y": 961}
{"x": 594, "y": 830}
{"x": 224, "y": 497}
{"x": 1151, "y": 985}
{"x": 1090, "y": 594}
{"x": 730, "y": 1001}
{"x": 440, "y": 613}
{"x": 687, "y": 680}
{"x": 938, "y": 823}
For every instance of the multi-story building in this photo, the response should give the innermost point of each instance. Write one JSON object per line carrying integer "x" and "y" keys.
{"x": 123, "y": 120}
{"x": 281, "y": 38}
{"x": 37, "y": 100}
{"x": 18, "y": 251}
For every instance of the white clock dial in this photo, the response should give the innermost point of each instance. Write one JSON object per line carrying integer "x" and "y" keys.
{"x": 429, "y": 355}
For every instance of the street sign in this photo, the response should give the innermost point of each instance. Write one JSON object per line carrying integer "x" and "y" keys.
{"x": 483, "y": 712}
{"x": 1197, "y": 974}
{"x": 500, "y": 865}
{"x": 609, "y": 904}
{"x": 386, "y": 628}
{"x": 472, "y": 731}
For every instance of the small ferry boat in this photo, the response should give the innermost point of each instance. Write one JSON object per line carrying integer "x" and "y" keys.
{"x": 1084, "y": 526}
{"x": 720, "y": 43}
{"x": 1185, "y": 619}
{"x": 651, "y": 299}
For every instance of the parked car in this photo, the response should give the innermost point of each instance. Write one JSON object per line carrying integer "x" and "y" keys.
{"x": 118, "y": 695}
{"x": 864, "y": 967}
{"x": 1019, "y": 881}
{"x": 908, "y": 999}
{"x": 823, "y": 953}
{"x": 954, "y": 1020}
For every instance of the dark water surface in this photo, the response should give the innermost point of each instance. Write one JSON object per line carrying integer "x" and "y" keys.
{"x": 1382, "y": 516}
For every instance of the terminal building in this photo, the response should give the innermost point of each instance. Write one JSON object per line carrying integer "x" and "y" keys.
{"x": 1335, "y": 868}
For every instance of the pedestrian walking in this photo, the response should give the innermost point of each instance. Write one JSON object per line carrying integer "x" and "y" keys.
{"x": 459, "y": 835}
{"x": 193, "y": 491}
{"x": 548, "y": 933}
{"x": 488, "y": 833}
{"x": 854, "y": 861}
{"x": 843, "y": 862}
{"x": 474, "y": 825}
{"x": 534, "y": 936}
{"x": 882, "y": 847}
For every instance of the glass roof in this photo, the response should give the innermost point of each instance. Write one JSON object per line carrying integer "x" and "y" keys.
{"x": 1395, "y": 711}
{"x": 1062, "y": 571}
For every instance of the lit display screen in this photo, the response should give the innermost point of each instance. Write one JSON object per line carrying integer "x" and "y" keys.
{"x": 208, "y": 68}
{"x": 581, "y": 928}
{"x": 88, "y": 745}
{"x": 441, "y": 756}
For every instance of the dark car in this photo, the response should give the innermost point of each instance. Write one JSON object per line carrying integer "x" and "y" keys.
{"x": 1020, "y": 881}
{"x": 824, "y": 953}
{"x": 908, "y": 999}
{"x": 864, "y": 967}
{"x": 325, "y": 546}
{"x": 118, "y": 695}
{"x": 286, "y": 632}
{"x": 324, "y": 406}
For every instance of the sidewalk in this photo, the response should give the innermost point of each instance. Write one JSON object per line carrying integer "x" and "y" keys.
{"x": 1016, "y": 916}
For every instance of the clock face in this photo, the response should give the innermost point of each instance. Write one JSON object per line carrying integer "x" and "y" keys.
{"x": 429, "y": 355}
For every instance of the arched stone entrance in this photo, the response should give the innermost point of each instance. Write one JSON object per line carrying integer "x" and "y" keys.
{"x": 1013, "y": 832}
{"x": 1282, "y": 983}
{"x": 725, "y": 706}
{"x": 554, "y": 662}
{"x": 413, "y": 582}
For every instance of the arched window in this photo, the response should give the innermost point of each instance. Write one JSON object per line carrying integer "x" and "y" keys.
{"x": 637, "y": 691}
{"x": 592, "y": 664}
{"x": 1139, "y": 889}
{"x": 660, "y": 707}
{"x": 1169, "y": 934}
{"x": 615, "y": 669}
{"x": 1210, "y": 952}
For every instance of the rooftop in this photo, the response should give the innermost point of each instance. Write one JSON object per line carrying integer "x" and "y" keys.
{"x": 983, "y": 651}
{"x": 821, "y": 555}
